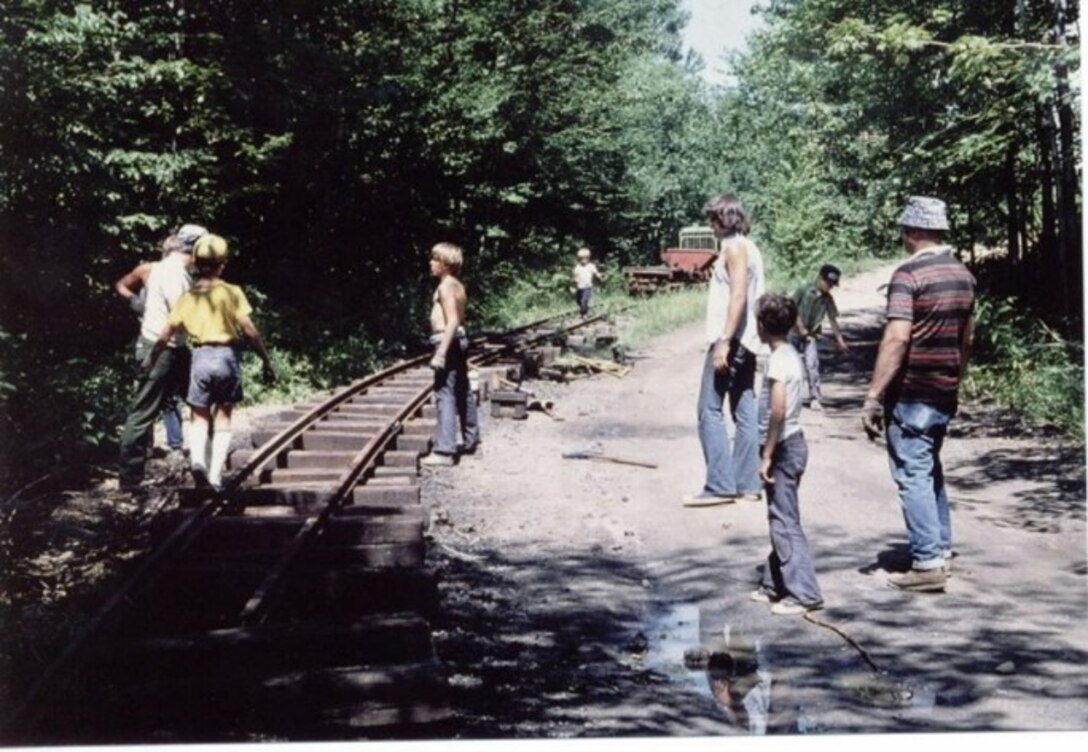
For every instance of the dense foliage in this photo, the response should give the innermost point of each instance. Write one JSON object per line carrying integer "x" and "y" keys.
{"x": 334, "y": 142}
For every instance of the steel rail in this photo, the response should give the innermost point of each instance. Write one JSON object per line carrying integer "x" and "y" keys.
{"x": 258, "y": 606}
{"x": 256, "y": 609}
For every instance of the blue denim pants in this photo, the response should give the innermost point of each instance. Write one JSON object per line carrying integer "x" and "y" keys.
{"x": 582, "y": 296}
{"x": 454, "y": 401}
{"x": 789, "y": 570}
{"x": 915, "y": 432}
{"x": 810, "y": 358}
{"x": 730, "y": 470}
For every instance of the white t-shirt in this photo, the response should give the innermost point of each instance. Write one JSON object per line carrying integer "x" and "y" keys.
{"x": 717, "y": 304}
{"x": 784, "y": 366}
{"x": 583, "y": 275}
{"x": 169, "y": 280}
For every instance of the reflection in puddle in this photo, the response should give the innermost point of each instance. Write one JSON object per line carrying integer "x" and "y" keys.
{"x": 740, "y": 680}
{"x": 725, "y": 664}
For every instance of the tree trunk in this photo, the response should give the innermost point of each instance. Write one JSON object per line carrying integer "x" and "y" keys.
{"x": 1068, "y": 185}
{"x": 1012, "y": 206}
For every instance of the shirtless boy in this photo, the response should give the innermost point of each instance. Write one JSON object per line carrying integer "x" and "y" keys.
{"x": 450, "y": 365}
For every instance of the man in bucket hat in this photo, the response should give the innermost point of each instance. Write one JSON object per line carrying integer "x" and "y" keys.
{"x": 166, "y": 282}
{"x": 914, "y": 389}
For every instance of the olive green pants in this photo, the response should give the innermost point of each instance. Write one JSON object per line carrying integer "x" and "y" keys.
{"x": 169, "y": 377}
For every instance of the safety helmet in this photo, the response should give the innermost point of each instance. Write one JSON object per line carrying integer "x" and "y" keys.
{"x": 211, "y": 248}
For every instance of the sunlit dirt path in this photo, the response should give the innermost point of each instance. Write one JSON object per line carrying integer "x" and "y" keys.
{"x": 572, "y": 589}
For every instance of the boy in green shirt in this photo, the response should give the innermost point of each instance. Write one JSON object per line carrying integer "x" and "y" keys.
{"x": 814, "y": 302}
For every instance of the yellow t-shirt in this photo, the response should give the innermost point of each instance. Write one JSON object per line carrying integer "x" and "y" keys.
{"x": 211, "y": 316}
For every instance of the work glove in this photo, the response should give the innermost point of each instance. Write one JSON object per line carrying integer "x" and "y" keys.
{"x": 872, "y": 417}
{"x": 136, "y": 303}
{"x": 438, "y": 362}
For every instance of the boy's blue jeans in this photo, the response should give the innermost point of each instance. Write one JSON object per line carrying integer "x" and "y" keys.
{"x": 915, "y": 434}
{"x": 171, "y": 417}
{"x": 790, "y": 570}
{"x": 582, "y": 296}
{"x": 736, "y": 471}
{"x": 454, "y": 402}
{"x": 809, "y": 350}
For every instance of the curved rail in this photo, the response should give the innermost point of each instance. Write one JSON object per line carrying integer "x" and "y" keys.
{"x": 258, "y": 606}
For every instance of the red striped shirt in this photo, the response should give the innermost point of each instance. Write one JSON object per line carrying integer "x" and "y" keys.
{"x": 936, "y": 293}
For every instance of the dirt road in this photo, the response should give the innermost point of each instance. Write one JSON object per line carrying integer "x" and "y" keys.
{"x": 574, "y": 588}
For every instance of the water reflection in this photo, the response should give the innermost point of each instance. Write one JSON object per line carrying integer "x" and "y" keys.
{"x": 740, "y": 680}
{"x": 738, "y": 673}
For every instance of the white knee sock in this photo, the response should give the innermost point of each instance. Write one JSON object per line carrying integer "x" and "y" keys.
{"x": 220, "y": 447}
{"x": 198, "y": 444}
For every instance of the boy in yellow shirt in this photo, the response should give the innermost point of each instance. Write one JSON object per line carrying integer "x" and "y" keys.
{"x": 215, "y": 314}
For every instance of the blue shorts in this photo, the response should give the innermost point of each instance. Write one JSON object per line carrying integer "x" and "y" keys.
{"x": 215, "y": 378}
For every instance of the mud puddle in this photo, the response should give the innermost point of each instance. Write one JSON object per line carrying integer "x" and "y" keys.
{"x": 736, "y": 670}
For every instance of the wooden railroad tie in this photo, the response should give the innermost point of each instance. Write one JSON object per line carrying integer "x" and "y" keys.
{"x": 504, "y": 401}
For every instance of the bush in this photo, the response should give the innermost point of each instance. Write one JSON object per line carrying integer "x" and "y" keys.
{"x": 1022, "y": 363}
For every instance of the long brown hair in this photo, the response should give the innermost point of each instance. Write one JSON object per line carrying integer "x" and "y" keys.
{"x": 728, "y": 212}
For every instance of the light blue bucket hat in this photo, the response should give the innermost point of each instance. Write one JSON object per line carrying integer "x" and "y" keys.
{"x": 925, "y": 213}
{"x": 189, "y": 234}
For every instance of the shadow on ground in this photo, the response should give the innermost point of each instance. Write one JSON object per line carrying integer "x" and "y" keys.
{"x": 579, "y": 644}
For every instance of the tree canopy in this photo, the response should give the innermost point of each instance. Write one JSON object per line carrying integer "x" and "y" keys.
{"x": 333, "y": 143}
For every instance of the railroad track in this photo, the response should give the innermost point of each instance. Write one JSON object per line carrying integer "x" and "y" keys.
{"x": 294, "y": 604}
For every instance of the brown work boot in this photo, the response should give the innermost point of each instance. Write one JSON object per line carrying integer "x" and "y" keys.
{"x": 920, "y": 580}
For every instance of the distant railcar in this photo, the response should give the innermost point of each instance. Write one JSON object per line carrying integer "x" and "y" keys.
{"x": 686, "y": 264}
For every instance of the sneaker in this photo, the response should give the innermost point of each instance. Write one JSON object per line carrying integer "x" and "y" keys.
{"x": 708, "y": 499}
{"x": 434, "y": 459}
{"x": 753, "y": 496}
{"x": 919, "y": 580}
{"x": 763, "y": 595}
{"x": 474, "y": 449}
{"x": 792, "y": 607}
{"x": 947, "y": 566}
{"x": 815, "y": 405}
{"x": 200, "y": 476}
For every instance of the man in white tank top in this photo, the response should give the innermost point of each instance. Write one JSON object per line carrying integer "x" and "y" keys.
{"x": 736, "y": 283}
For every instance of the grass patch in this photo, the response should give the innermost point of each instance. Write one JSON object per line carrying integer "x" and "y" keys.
{"x": 1024, "y": 365}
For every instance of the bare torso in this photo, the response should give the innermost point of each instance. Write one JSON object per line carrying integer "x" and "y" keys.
{"x": 454, "y": 292}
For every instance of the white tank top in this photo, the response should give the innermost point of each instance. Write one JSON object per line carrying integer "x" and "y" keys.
{"x": 717, "y": 303}
{"x": 169, "y": 280}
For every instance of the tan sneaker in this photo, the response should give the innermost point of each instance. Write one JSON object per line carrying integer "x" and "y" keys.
{"x": 434, "y": 459}
{"x": 763, "y": 595}
{"x": 791, "y": 607}
{"x": 707, "y": 499}
{"x": 920, "y": 580}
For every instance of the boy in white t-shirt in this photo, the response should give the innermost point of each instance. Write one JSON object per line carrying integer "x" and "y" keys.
{"x": 582, "y": 277}
{"x": 789, "y": 578}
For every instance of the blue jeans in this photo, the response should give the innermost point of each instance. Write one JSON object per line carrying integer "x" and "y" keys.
{"x": 915, "y": 434}
{"x": 455, "y": 403}
{"x": 171, "y": 418}
{"x": 789, "y": 570}
{"x": 810, "y": 358}
{"x": 582, "y": 296}
{"x": 736, "y": 471}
